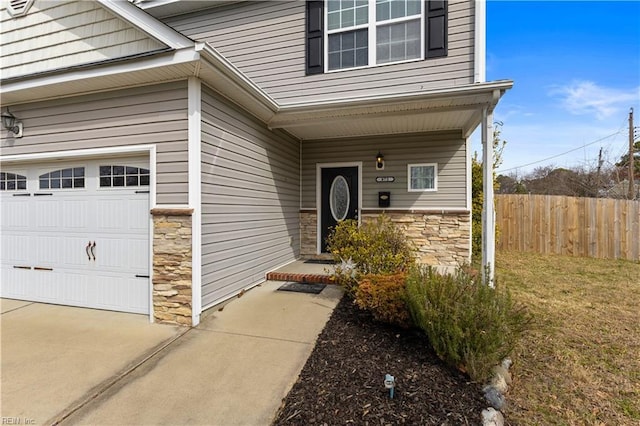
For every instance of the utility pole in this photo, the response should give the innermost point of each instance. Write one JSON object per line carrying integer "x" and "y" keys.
{"x": 632, "y": 191}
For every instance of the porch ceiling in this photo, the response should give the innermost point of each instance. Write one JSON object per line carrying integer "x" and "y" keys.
{"x": 453, "y": 109}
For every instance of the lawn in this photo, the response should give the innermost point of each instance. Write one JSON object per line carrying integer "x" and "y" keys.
{"x": 580, "y": 364}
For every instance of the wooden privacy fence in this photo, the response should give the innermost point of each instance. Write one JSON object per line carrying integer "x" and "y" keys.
{"x": 592, "y": 227}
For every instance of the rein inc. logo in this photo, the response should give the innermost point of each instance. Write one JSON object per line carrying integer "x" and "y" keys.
{"x": 17, "y": 421}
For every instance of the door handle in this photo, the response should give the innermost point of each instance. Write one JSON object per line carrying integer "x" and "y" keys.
{"x": 92, "y": 253}
{"x": 86, "y": 249}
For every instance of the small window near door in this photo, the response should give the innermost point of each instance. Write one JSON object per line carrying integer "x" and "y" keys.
{"x": 71, "y": 178}
{"x": 12, "y": 182}
{"x": 123, "y": 176}
{"x": 422, "y": 177}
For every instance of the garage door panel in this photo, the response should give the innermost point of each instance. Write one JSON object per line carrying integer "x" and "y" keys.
{"x": 14, "y": 212}
{"x": 138, "y": 215}
{"x": 75, "y": 215}
{"x": 14, "y": 282}
{"x": 74, "y": 289}
{"x": 15, "y": 249}
{"x": 117, "y": 292}
{"x": 48, "y": 214}
{"x": 45, "y": 285}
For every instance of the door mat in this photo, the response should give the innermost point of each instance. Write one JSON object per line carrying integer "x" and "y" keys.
{"x": 320, "y": 261}
{"x": 302, "y": 288}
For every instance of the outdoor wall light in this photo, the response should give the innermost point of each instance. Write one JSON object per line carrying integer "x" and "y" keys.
{"x": 10, "y": 123}
{"x": 379, "y": 161}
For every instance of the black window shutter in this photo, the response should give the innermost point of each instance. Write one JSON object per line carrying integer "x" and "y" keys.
{"x": 315, "y": 37}
{"x": 436, "y": 28}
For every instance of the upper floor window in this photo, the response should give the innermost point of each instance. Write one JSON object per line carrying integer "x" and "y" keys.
{"x": 363, "y": 32}
{"x": 343, "y": 34}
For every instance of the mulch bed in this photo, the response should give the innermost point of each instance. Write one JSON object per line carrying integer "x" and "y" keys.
{"x": 343, "y": 379}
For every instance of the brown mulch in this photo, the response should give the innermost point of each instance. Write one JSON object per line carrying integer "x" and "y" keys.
{"x": 343, "y": 379}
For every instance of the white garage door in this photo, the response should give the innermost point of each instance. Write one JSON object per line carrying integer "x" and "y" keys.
{"x": 77, "y": 233}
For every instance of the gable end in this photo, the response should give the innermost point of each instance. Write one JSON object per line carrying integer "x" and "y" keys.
{"x": 19, "y": 7}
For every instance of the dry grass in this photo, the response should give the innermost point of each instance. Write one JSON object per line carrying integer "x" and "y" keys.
{"x": 580, "y": 364}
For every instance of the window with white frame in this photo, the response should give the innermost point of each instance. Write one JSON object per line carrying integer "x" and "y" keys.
{"x": 422, "y": 177}
{"x": 370, "y": 32}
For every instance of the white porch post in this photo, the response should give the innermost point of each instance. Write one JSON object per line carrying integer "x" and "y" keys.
{"x": 488, "y": 212}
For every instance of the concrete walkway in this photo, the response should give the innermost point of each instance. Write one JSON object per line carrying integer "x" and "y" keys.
{"x": 233, "y": 369}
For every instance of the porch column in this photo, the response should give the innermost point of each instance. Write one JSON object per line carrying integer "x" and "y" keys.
{"x": 488, "y": 211}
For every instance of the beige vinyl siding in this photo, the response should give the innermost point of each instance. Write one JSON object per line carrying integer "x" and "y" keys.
{"x": 139, "y": 116}
{"x": 266, "y": 40}
{"x": 448, "y": 150}
{"x": 60, "y": 34}
{"x": 250, "y": 199}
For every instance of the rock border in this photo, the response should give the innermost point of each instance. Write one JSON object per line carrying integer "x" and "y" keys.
{"x": 494, "y": 394}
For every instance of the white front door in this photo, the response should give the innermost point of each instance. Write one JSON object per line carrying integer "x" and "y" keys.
{"x": 77, "y": 233}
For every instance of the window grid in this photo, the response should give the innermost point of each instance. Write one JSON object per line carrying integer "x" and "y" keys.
{"x": 393, "y": 28}
{"x": 422, "y": 177}
{"x": 12, "y": 182}
{"x": 123, "y": 176}
{"x": 71, "y": 178}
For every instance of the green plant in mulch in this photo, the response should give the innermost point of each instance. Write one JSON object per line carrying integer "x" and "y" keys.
{"x": 385, "y": 297}
{"x": 470, "y": 325}
{"x": 376, "y": 247}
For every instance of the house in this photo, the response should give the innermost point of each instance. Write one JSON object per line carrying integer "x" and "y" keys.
{"x": 165, "y": 155}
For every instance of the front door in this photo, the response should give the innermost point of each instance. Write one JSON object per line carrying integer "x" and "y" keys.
{"x": 339, "y": 199}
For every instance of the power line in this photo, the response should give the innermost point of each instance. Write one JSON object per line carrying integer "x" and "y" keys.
{"x": 559, "y": 155}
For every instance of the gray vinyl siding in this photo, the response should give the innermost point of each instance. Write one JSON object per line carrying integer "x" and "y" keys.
{"x": 266, "y": 41}
{"x": 250, "y": 199}
{"x": 448, "y": 150}
{"x": 138, "y": 116}
{"x": 60, "y": 34}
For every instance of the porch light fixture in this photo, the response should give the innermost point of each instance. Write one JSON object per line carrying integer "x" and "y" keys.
{"x": 379, "y": 161}
{"x": 9, "y": 122}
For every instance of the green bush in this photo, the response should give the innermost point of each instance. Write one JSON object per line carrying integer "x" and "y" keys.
{"x": 470, "y": 325}
{"x": 376, "y": 247}
{"x": 385, "y": 297}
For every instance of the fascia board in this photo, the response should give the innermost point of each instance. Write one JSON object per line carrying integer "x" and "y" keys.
{"x": 147, "y": 23}
{"x": 178, "y": 57}
{"x": 467, "y": 90}
{"x": 317, "y": 111}
{"x": 231, "y": 82}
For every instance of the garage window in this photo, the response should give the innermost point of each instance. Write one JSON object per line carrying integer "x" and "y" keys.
{"x": 63, "y": 179}
{"x": 12, "y": 181}
{"x": 115, "y": 176}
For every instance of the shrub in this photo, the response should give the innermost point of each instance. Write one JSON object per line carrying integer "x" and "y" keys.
{"x": 470, "y": 325}
{"x": 385, "y": 297}
{"x": 376, "y": 247}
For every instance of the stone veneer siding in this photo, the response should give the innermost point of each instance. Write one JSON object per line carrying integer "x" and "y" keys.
{"x": 172, "y": 267}
{"x": 441, "y": 238}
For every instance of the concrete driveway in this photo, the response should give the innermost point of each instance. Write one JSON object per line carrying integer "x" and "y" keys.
{"x": 81, "y": 366}
{"x": 55, "y": 358}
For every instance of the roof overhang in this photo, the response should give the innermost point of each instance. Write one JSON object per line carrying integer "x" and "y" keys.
{"x": 454, "y": 109}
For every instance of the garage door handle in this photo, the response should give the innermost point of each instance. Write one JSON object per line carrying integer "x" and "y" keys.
{"x": 92, "y": 253}
{"x": 40, "y": 194}
{"x": 22, "y": 195}
{"x": 86, "y": 249}
{"x": 21, "y": 267}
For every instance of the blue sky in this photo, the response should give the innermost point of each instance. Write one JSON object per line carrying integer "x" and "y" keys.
{"x": 576, "y": 68}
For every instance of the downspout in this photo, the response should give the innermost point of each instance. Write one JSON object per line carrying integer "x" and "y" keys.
{"x": 480, "y": 42}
